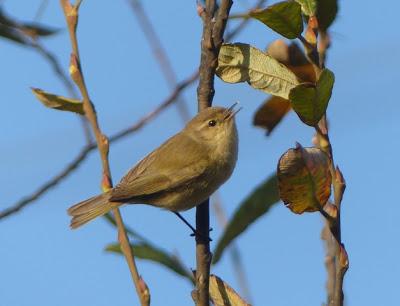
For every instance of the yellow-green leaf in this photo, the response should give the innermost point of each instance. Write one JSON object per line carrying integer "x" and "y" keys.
{"x": 59, "y": 102}
{"x": 310, "y": 102}
{"x": 253, "y": 207}
{"x": 308, "y": 7}
{"x": 222, "y": 294}
{"x": 283, "y": 17}
{"x": 243, "y": 63}
{"x": 271, "y": 113}
{"x": 304, "y": 179}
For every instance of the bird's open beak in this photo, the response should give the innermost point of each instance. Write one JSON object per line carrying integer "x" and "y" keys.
{"x": 231, "y": 112}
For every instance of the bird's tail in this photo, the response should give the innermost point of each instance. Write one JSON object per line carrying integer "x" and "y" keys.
{"x": 89, "y": 209}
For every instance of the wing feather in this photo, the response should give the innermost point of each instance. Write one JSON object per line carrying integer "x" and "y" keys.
{"x": 176, "y": 162}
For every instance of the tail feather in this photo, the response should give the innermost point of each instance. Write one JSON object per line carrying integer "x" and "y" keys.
{"x": 89, "y": 209}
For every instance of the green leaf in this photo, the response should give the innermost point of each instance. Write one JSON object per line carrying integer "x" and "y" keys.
{"x": 283, "y": 17}
{"x": 326, "y": 13}
{"x": 252, "y": 208}
{"x": 310, "y": 103}
{"x": 59, "y": 102}
{"x": 133, "y": 234}
{"x": 243, "y": 63}
{"x": 308, "y": 7}
{"x": 304, "y": 179}
{"x": 222, "y": 294}
{"x": 149, "y": 252}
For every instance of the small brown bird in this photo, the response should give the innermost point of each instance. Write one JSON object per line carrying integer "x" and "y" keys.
{"x": 178, "y": 175}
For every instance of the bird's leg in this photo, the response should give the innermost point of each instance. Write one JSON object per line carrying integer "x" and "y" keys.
{"x": 195, "y": 233}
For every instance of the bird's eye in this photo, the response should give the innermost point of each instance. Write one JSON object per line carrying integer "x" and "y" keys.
{"x": 212, "y": 123}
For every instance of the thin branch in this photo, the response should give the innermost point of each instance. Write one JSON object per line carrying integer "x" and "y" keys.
{"x": 214, "y": 23}
{"x": 159, "y": 52}
{"x": 71, "y": 16}
{"x": 16, "y": 207}
{"x": 49, "y": 184}
{"x": 341, "y": 261}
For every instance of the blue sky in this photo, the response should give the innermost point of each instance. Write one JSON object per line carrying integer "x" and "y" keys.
{"x": 43, "y": 262}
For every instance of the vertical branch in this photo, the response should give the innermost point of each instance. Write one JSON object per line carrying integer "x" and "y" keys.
{"x": 214, "y": 23}
{"x": 71, "y": 16}
{"x": 316, "y": 54}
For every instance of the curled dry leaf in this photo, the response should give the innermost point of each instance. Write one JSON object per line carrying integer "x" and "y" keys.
{"x": 287, "y": 54}
{"x": 283, "y": 17}
{"x": 271, "y": 113}
{"x": 222, "y": 294}
{"x": 304, "y": 179}
{"x": 274, "y": 109}
{"x": 243, "y": 63}
{"x": 59, "y": 102}
{"x": 310, "y": 102}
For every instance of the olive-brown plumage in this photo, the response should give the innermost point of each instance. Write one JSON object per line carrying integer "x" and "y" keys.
{"x": 178, "y": 175}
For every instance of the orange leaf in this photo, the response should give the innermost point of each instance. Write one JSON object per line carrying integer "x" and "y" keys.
{"x": 271, "y": 113}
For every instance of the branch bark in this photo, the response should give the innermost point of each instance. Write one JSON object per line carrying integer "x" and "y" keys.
{"x": 71, "y": 16}
{"x": 214, "y": 23}
{"x": 337, "y": 268}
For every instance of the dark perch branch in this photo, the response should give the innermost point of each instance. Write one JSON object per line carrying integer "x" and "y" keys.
{"x": 214, "y": 23}
{"x": 160, "y": 54}
{"x": 71, "y": 17}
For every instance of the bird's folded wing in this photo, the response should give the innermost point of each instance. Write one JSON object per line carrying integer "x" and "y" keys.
{"x": 173, "y": 164}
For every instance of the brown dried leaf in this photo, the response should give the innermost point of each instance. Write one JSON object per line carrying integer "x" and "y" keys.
{"x": 293, "y": 57}
{"x": 290, "y": 55}
{"x": 271, "y": 113}
{"x": 222, "y": 294}
{"x": 304, "y": 179}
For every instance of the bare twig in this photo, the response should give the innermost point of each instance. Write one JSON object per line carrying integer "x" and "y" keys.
{"x": 71, "y": 16}
{"x": 330, "y": 248}
{"x": 159, "y": 53}
{"x": 49, "y": 184}
{"x": 214, "y": 23}
{"x": 90, "y": 147}
{"x": 41, "y": 9}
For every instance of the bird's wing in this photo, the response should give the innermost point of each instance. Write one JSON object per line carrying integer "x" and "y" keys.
{"x": 178, "y": 161}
